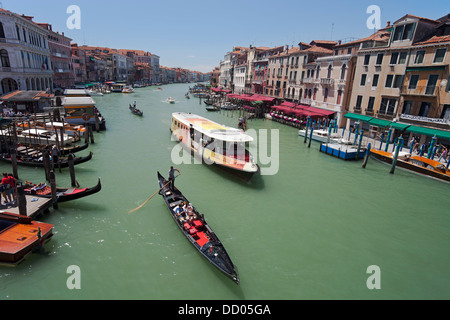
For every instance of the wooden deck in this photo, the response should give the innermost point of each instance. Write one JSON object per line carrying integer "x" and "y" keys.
{"x": 35, "y": 206}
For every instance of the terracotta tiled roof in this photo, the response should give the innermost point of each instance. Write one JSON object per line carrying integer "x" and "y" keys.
{"x": 380, "y": 35}
{"x": 417, "y": 17}
{"x": 434, "y": 39}
{"x": 317, "y": 49}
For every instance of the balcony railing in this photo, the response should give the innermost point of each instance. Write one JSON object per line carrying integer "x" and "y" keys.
{"x": 419, "y": 90}
{"x": 310, "y": 80}
{"x": 327, "y": 81}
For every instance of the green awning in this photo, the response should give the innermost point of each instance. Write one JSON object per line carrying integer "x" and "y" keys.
{"x": 358, "y": 117}
{"x": 399, "y": 126}
{"x": 379, "y": 122}
{"x": 429, "y": 132}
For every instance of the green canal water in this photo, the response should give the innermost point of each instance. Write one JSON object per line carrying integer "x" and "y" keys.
{"x": 309, "y": 232}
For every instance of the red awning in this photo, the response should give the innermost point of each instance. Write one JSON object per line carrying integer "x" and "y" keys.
{"x": 322, "y": 112}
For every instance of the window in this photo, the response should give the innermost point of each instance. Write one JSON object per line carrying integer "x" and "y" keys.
{"x": 366, "y": 59}
{"x": 403, "y": 56}
{"x": 407, "y": 107}
{"x": 408, "y": 31}
{"x": 370, "y": 104}
{"x": 398, "y": 81}
{"x": 448, "y": 85}
{"x": 4, "y": 57}
{"x": 383, "y": 106}
{"x": 363, "y": 79}
{"x": 431, "y": 85}
{"x": 413, "y": 81}
{"x": 394, "y": 58}
{"x": 424, "y": 109}
{"x": 404, "y": 32}
{"x": 343, "y": 69}
{"x": 398, "y": 33}
{"x": 439, "y": 56}
{"x": 446, "y": 112}
{"x": 387, "y": 106}
{"x": 419, "y": 56}
{"x": 2, "y": 32}
{"x": 358, "y": 102}
{"x": 325, "y": 96}
{"x": 375, "y": 80}
{"x": 389, "y": 79}
{"x": 380, "y": 58}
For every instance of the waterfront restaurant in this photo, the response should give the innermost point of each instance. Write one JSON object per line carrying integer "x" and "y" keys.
{"x": 26, "y": 101}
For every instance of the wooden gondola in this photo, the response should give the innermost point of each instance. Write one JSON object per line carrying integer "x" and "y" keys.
{"x": 62, "y": 194}
{"x": 208, "y": 102}
{"x": 67, "y": 151}
{"x": 198, "y": 232}
{"x": 136, "y": 111}
{"x": 20, "y": 236}
{"x": 63, "y": 162}
{"x": 212, "y": 109}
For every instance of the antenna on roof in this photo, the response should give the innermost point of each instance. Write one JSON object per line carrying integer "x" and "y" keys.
{"x": 332, "y": 30}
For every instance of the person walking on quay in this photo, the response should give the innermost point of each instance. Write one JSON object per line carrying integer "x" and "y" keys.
{"x": 10, "y": 186}
{"x": 172, "y": 177}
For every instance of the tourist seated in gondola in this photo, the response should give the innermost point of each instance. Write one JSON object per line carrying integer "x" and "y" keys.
{"x": 180, "y": 212}
{"x": 190, "y": 213}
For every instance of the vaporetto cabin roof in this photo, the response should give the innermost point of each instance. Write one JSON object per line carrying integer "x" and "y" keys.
{"x": 212, "y": 129}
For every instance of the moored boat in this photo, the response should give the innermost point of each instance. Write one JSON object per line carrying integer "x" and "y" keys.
{"x": 216, "y": 144}
{"x": 322, "y": 136}
{"x": 37, "y": 161}
{"x": 62, "y": 194}
{"x": 82, "y": 111}
{"x": 416, "y": 164}
{"x": 198, "y": 232}
{"x": 20, "y": 236}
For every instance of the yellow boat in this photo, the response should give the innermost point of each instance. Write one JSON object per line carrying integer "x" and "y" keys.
{"x": 417, "y": 164}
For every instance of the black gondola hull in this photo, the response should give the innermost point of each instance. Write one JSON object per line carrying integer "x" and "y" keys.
{"x": 211, "y": 247}
{"x": 64, "y": 163}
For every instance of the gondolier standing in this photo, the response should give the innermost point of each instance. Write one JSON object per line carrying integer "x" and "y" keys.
{"x": 172, "y": 177}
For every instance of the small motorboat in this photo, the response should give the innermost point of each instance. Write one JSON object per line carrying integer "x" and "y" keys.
{"x": 171, "y": 100}
{"x": 20, "y": 236}
{"x": 127, "y": 90}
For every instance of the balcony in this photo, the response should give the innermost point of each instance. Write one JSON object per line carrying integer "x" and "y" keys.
{"x": 327, "y": 81}
{"x": 418, "y": 91}
{"x": 310, "y": 80}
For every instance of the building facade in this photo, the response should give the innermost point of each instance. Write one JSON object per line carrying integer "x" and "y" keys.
{"x": 25, "y": 62}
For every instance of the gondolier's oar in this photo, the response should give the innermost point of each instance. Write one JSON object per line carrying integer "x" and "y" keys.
{"x": 142, "y": 205}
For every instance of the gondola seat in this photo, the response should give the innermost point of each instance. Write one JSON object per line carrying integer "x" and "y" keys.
{"x": 187, "y": 226}
{"x": 198, "y": 224}
{"x": 193, "y": 231}
{"x": 202, "y": 239}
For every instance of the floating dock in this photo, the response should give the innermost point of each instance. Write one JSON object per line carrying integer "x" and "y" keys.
{"x": 342, "y": 151}
{"x": 35, "y": 206}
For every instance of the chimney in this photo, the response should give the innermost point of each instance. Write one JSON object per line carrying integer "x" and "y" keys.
{"x": 339, "y": 42}
{"x": 388, "y": 24}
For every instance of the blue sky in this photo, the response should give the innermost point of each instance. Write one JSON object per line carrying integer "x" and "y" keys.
{"x": 195, "y": 34}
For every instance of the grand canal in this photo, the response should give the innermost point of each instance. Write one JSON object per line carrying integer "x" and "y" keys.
{"x": 309, "y": 232}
